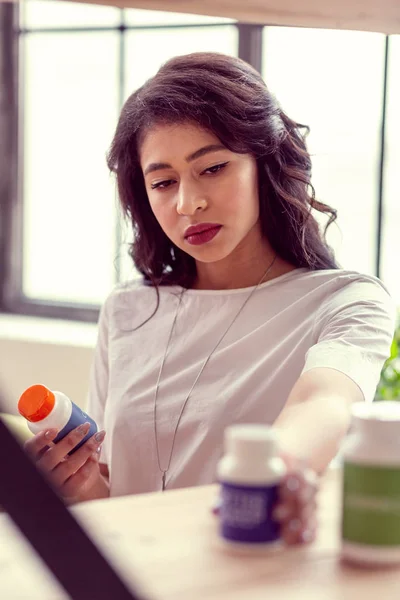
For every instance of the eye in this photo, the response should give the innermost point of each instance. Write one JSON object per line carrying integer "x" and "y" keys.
{"x": 161, "y": 185}
{"x": 215, "y": 169}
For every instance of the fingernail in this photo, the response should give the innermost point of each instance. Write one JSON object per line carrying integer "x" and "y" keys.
{"x": 292, "y": 483}
{"x": 281, "y": 512}
{"x": 51, "y": 434}
{"x": 99, "y": 437}
{"x": 83, "y": 429}
{"x": 216, "y": 506}
{"x": 96, "y": 453}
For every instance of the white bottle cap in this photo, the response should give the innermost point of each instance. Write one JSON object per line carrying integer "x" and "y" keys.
{"x": 251, "y": 441}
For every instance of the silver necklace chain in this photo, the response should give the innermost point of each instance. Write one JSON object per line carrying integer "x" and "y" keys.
{"x": 165, "y": 471}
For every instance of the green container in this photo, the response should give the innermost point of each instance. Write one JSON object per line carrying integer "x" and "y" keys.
{"x": 371, "y": 485}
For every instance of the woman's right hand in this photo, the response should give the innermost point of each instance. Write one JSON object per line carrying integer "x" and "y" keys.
{"x": 76, "y": 477}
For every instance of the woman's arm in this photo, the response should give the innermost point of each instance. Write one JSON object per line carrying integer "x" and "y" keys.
{"x": 353, "y": 331}
{"x": 316, "y": 416}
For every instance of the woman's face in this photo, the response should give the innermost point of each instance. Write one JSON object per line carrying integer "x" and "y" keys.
{"x": 204, "y": 197}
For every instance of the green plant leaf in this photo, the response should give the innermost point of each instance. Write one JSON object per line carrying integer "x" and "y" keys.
{"x": 394, "y": 349}
{"x": 388, "y": 387}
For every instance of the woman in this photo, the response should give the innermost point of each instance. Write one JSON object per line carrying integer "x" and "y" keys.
{"x": 241, "y": 315}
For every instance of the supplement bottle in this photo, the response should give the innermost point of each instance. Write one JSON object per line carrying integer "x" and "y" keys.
{"x": 44, "y": 409}
{"x": 371, "y": 485}
{"x": 250, "y": 474}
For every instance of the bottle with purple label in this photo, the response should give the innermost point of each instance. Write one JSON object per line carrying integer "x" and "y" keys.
{"x": 44, "y": 409}
{"x": 250, "y": 474}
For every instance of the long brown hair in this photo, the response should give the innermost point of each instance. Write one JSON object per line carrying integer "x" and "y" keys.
{"x": 228, "y": 97}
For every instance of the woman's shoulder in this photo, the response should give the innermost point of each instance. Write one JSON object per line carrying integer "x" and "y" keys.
{"x": 122, "y": 292}
{"x": 338, "y": 288}
{"x": 133, "y": 286}
{"x": 131, "y": 302}
{"x": 335, "y": 280}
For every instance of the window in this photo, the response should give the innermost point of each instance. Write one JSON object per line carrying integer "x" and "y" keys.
{"x": 70, "y": 101}
{"x": 313, "y": 74}
{"x": 38, "y": 14}
{"x": 391, "y": 207}
{"x": 77, "y": 65}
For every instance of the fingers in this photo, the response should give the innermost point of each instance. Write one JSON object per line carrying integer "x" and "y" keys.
{"x": 296, "y": 532}
{"x": 302, "y": 483}
{"x": 71, "y": 464}
{"x": 39, "y": 443}
{"x": 59, "y": 451}
{"x": 297, "y": 507}
{"x": 69, "y": 474}
{"x": 81, "y": 479}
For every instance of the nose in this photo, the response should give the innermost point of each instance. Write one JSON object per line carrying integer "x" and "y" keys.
{"x": 190, "y": 201}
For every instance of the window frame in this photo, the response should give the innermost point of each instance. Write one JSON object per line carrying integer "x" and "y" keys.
{"x": 12, "y": 298}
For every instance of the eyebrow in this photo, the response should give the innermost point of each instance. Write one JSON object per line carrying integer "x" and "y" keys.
{"x": 197, "y": 154}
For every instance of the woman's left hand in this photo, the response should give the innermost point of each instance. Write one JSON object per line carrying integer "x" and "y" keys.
{"x": 297, "y": 505}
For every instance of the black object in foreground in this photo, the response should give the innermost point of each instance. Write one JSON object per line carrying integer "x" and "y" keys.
{"x": 50, "y": 528}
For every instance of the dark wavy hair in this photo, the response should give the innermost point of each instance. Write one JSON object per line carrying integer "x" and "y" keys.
{"x": 228, "y": 97}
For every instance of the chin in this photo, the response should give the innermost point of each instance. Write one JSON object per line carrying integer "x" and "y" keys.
{"x": 208, "y": 255}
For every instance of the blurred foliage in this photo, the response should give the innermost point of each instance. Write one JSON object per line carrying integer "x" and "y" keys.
{"x": 389, "y": 384}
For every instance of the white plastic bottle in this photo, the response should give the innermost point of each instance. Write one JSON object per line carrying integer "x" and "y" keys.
{"x": 44, "y": 409}
{"x": 249, "y": 475}
{"x": 371, "y": 486}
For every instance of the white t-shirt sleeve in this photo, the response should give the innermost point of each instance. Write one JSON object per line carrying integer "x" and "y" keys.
{"x": 98, "y": 383}
{"x": 353, "y": 332}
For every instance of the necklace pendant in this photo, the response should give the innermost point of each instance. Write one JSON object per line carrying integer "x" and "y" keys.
{"x": 163, "y": 481}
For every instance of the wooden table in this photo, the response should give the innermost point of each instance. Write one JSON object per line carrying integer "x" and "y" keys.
{"x": 169, "y": 542}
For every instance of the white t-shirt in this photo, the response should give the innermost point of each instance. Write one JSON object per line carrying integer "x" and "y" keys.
{"x": 298, "y": 321}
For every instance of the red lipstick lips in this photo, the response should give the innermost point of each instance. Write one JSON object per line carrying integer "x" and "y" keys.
{"x": 201, "y": 233}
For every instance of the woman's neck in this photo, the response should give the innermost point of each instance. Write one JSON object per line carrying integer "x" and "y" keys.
{"x": 236, "y": 274}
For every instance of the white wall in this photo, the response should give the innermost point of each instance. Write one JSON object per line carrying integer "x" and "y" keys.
{"x": 57, "y": 354}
